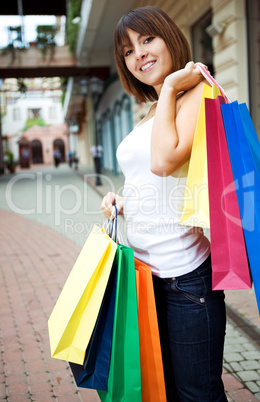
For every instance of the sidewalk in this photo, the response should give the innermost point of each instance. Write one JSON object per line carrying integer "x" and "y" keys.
{"x": 35, "y": 261}
{"x": 34, "y": 264}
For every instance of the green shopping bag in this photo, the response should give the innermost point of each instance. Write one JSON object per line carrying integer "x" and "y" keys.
{"x": 124, "y": 380}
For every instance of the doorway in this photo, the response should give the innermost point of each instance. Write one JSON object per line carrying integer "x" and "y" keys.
{"x": 37, "y": 152}
{"x": 202, "y": 47}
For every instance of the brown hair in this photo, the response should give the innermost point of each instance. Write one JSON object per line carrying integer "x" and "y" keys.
{"x": 148, "y": 21}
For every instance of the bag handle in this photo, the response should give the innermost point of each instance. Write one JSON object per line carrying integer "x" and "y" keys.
{"x": 110, "y": 225}
{"x": 113, "y": 231}
{"x": 211, "y": 80}
{"x": 112, "y": 228}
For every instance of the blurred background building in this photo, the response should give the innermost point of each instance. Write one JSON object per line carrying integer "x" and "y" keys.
{"x": 78, "y": 46}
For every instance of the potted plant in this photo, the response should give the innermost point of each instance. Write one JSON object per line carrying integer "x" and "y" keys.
{"x": 10, "y": 162}
{"x": 46, "y": 39}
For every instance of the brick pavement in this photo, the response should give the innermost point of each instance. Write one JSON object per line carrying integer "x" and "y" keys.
{"x": 34, "y": 264}
{"x": 242, "y": 360}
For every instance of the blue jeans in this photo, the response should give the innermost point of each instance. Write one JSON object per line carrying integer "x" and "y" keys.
{"x": 192, "y": 322}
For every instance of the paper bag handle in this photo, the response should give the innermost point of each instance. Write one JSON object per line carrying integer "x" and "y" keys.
{"x": 211, "y": 80}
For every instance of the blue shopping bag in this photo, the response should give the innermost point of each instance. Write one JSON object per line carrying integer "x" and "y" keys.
{"x": 251, "y": 134}
{"x": 94, "y": 372}
{"x": 247, "y": 181}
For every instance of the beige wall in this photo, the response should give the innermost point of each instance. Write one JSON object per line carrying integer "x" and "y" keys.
{"x": 230, "y": 47}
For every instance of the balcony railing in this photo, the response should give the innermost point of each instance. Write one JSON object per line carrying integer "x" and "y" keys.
{"x": 22, "y": 32}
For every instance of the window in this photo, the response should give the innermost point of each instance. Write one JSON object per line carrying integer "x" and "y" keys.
{"x": 34, "y": 114}
{"x": 202, "y": 48}
{"x": 16, "y": 114}
{"x": 52, "y": 113}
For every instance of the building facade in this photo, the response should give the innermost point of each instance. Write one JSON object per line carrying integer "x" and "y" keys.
{"x": 33, "y": 124}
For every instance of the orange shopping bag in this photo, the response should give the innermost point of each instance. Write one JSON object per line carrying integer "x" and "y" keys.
{"x": 152, "y": 375}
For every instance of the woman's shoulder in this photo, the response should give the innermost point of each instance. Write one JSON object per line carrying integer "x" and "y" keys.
{"x": 193, "y": 95}
{"x": 150, "y": 114}
{"x": 195, "y": 91}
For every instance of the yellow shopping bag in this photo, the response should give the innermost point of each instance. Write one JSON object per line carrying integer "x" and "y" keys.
{"x": 74, "y": 316}
{"x": 196, "y": 201}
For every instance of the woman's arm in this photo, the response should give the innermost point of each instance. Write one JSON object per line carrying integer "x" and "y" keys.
{"x": 173, "y": 130}
{"x": 109, "y": 201}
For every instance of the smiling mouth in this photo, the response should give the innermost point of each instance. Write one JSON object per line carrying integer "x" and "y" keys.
{"x": 147, "y": 65}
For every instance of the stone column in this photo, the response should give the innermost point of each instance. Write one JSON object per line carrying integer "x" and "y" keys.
{"x": 230, "y": 48}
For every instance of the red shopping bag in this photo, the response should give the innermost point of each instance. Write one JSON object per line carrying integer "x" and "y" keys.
{"x": 152, "y": 375}
{"x": 230, "y": 269}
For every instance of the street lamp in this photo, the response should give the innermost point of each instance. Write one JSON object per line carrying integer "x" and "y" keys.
{"x": 93, "y": 86}
{"x": 96, "y": 86}
{"x": 84, "y": 87}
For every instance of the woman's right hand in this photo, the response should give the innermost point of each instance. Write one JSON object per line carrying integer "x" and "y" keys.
{"x": 108, "y": 203}
{"x": 186, "y": 78}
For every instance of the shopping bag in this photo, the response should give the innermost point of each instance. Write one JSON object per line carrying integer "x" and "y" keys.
{"x": 124, "y": 380}
{"x": 230, "y": 268}
{"x": 251, "y": 135}
{"x": 196, "y": 202}
{"x": 247, "y": 184}
{"x": 94, "y": 372}
{"x": 152, "y": 375}
{"x": 74, "y": 316}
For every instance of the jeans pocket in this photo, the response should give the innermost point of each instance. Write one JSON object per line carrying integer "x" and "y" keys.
{"x": 194, "y": 291}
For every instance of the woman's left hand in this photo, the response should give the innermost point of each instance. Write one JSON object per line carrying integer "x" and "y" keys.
{"x": 184, "y": 79}
{"x": 173, "y": 129}
{"x": 109, "y": 201}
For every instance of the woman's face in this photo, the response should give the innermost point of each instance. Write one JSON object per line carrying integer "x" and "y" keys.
{"x": 148, "y": 59}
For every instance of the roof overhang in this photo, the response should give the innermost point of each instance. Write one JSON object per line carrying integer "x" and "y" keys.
{"x": 96, "y": 30}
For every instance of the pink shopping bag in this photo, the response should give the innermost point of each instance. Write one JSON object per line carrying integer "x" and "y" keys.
{"x": 230, "y": 269}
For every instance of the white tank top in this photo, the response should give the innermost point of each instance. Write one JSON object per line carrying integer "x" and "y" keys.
{"x": 152, "y": 210}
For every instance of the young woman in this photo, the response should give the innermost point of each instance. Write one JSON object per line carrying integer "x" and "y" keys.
{"x": 153, "y": 62}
